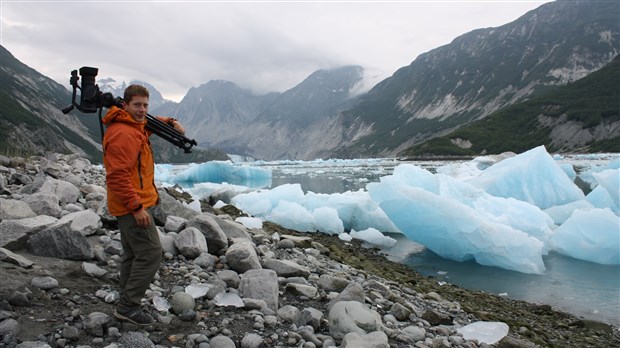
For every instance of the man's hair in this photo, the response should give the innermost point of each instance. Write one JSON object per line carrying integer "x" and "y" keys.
{"x": 133, "y": 91}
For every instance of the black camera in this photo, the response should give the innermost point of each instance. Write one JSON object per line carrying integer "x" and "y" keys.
{"x": 91, "y": 98}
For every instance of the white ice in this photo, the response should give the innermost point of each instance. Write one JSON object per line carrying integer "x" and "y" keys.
{"x": 488, "y": 332}
{"x": 503, "y": 210}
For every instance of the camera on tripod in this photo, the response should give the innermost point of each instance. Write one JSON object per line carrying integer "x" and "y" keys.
{"x": 93, "y": 100}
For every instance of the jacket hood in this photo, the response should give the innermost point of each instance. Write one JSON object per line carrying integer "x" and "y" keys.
{"x": 116, "y": 114}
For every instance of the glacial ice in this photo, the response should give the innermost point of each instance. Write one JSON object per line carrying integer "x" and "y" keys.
{"x": 503, "y": 210}
{"x": 488, "y": 332}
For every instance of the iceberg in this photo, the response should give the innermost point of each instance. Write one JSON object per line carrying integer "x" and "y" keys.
{"x": 591, "y": 235}
{"x": 533, "y": 177}
{"x": 222, "y": 172}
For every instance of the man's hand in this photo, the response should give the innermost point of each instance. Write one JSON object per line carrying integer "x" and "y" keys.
{"x": 177, "y": 125}
{"x": 143, "y": 219}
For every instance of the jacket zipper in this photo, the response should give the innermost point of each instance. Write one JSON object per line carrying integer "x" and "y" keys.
{"x": 139, "y": 170}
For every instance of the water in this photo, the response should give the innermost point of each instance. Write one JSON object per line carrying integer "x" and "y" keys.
{"x": 582, "y": 288}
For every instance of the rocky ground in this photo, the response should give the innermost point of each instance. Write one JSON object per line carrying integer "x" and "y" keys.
{"x": 226, "y": 285}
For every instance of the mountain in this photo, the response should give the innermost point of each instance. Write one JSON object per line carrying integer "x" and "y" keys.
{"x": 479, "y": 73}
{"x": 273, "y": 126}
{"x": 296, "y": 124}
{"x": 118, "y": 89}
{"x": 214, "y": 112}
{"x": 31, "y": 121}
{"x": 581, "y": 116}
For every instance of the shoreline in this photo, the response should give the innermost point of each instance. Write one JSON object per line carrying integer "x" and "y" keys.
{"x": 76, "y": 309}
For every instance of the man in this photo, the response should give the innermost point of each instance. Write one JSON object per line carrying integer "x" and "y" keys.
{"x": 130, "y": 172}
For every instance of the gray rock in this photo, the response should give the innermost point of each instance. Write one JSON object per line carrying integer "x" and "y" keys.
{"x": 33, "y": 344}
{"x": 167, "y": 243}
{"x": 260, "y": 284}
{"x": 222, "y": 342}
{"x": 352, "y": 316}
{"x": 174, "y": 224}
{"x": 216, "y": 239}
{"x": 135, "y": 340}
{"x": 96, "y": 323}
{"x": 400, "y": 312}
{"x": 44, "y": 283}
{"x": 353, "y": 292}
{"x": 65, "y": 191}
{"x": 93, "y": 270}
{"x": 376, "y": 339}
{"x": 14, "y": 234}
{"x": 44, "y": 204}
{"x": 242, "y": 257}
{"x": 70, "y": 332}
{"x": 10, "y": 257}
{"x": 308, "y": 291}
{"x": 415, "y": 333}
{"x": 286, "y": 268}
{"x": 332, "y": 283}
{"x": 289, "y": 314}
{"x": 251, "y": 340}
{"x": 191, "y": 242}
{"x": 61, "y": 242}
{"x": 86, "y": 222}
{"x": 206, "y": 260}
{"x": 310, "y": 316}
{"x": 232, "y": 229}
{"x": 169, "y": 206}
{"x": 436, "y": 318}
{"x": 182, "y": 301}
{"x": 9, "y": 327}
{"x": 231, "y": 278}
{"x": 14, "y": 209}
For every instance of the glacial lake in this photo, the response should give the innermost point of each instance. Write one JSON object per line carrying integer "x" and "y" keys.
{"x": 586, "y": 289}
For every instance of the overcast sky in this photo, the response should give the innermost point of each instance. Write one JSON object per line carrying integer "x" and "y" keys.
{"x": 263, "y": 46}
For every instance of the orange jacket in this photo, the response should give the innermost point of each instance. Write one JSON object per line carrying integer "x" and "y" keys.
{"x": 128, "y": 160}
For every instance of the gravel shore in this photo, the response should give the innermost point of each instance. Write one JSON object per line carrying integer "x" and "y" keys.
{"x": 269, "y": 287}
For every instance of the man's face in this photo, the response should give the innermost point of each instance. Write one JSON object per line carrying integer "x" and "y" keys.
{"x": 138, "y": 107}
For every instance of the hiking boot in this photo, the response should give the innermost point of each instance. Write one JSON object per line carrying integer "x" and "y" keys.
{"x": 134, "y": 316}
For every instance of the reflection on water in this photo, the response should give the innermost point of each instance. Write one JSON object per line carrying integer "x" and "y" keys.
{"x": 583, "y": 288}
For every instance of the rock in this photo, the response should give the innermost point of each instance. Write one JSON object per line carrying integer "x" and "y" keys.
{"x": 135, "y": 340}
{"x": 400, "y": 312}
{"x": 61, "y": 242}
{"x": 251, "y": 340}
{"x": 167, "y": 243}
{"x": 43, "y": 203}
{"x": 216, "y": 239}
{"x": 9, "y": 327}
{"x": 44, "y": 283}
{"x": 242, "y": 257}
{"x": 206, "y": 260}
{"x": 222, "y": 342}
{"x": 230, "y": 277}
{"x": 33, "y": 344}
{"x": 182, "y": 301}
{"x": 352, "y": 316}
{"x": 353, "y": 292}
{"x": 86, "y": 222}
{"x": 260, "y": 284}
{"x": 289, "y": 314}
{"x": 233, "y": 230}
{"x": 65, "y": 191}
{"x": 174, "y": 224}
{"x": 191, "y": 242}
{"x": 593, "y": 325}
{"x": 286, "y": 268}
{"x": 310, "y": 316}
{"x": 96, "y": 323}
{"x": 376, "y": 339}
{"x": 415, "y": 333}
{"x": 14, "y": 234}
{"x": 168, "y": 206}
{"x": 10, "y": 257}
{"x": 436, "y": 318}
{"x": 511, "y": 342}
{"x": 14, "y": 209}
{"x": 331, "y": 283}
{"x": 302, "y": 290}
{"x": 92, "y": 270}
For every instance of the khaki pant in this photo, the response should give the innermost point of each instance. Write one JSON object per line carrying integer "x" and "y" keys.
{"x": 141, "y": 260}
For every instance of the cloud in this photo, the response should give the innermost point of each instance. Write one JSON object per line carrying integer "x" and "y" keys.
{"x": 263, "y": 46}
